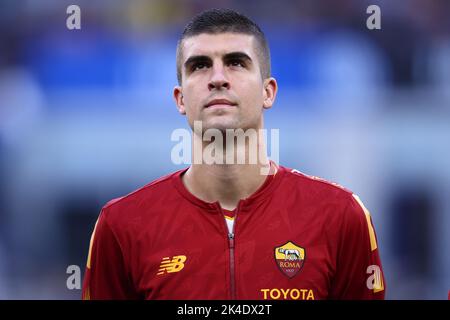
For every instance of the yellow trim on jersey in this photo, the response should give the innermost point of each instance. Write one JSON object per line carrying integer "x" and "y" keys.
{"x": 229, "y": 218}
{"x": 90, "y": 246}
{"x": 87, "y": 295}
{"x": 373, "y": 241}
{"x": 379, "y": 285}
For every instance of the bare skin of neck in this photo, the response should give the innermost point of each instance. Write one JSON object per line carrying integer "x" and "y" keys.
{"x": 227, "y": 183}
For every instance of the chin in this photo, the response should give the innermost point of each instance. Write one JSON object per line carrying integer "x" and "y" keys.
{"x": 220, "y": 124}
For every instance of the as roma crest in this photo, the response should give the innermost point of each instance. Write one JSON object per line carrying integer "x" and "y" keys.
{"x": 290, "y": 258}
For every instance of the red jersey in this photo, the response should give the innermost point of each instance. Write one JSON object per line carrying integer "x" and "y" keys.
{"x": 296, "y": 237}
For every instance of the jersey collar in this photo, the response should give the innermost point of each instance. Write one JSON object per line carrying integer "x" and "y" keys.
{"x": 245, "y": 205}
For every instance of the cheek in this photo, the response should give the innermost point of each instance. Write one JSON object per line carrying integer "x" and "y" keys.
{"x": 250, "y": 81}
{"x": 190, "y": 99}
{"x": 252, "y": 95}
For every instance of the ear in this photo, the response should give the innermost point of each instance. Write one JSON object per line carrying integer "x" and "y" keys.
{"x": 178, "y": 96}
{"x": 270, "y": 92}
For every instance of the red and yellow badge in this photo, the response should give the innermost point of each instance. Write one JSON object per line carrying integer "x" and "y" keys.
{"x": 290, "y": 258}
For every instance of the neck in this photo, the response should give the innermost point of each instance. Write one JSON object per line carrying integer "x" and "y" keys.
{"x": 228, "y": 183}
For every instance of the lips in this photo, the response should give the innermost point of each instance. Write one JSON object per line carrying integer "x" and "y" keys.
{"x": 220, "y": 103}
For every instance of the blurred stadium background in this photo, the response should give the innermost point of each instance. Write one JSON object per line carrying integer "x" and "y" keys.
{"x": 86, "y": 116}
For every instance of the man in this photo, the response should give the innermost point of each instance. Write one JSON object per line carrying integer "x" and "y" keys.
{"x": 232, "y": 231}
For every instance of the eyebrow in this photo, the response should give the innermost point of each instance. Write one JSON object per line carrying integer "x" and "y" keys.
{"x": 239, "y": 55}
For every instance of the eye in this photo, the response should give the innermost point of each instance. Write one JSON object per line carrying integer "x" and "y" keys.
{"x": 199, "y": 66}
{"x": 236, "y": 63}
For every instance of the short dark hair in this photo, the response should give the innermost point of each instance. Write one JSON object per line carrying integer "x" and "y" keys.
{"x": 215, "y": 21}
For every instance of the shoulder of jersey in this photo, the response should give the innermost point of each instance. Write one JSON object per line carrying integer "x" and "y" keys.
{"x": 318, "y": 181}
{"x": 152, "y": 188}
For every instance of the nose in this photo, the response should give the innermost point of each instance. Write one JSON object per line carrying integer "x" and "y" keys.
{"x": 218, "y": 80}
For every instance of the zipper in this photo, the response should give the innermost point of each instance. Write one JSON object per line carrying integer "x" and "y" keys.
{"x": 232, "y": 271}
{"x": 231, "y": 244}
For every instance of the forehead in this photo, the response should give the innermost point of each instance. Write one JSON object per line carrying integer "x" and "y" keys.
{"x": 218, "y": 45}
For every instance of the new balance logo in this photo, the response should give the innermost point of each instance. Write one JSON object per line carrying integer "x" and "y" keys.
{"x": 168, "y": 265}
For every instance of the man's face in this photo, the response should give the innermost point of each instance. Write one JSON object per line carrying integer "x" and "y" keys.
{"x": 221, "y": 82}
